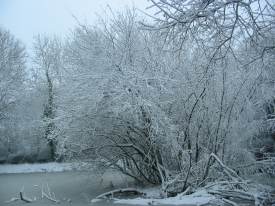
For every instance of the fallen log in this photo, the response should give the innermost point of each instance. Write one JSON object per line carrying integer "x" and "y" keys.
{"x": 226, "y": 183}
{"x": 232, "y": 194}
{"x": 111, "y": 194}
{"x": 229, "y": 202}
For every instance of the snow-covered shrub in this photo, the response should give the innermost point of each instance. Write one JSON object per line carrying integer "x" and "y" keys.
{"x": 161, "y": 114}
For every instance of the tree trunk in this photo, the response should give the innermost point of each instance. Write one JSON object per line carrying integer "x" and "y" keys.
{"x": 49, "y": 115}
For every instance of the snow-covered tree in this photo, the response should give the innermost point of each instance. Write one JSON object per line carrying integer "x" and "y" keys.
{"x": 166, "y": 104}
{"x": 48, "y": 63}
{"x": 12, "y": 65}
{"x": 12, "y": 75}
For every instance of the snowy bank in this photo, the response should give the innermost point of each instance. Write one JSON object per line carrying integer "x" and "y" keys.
{"x": 197, "y": 198}
{"x": 31, "y": 168}
{"x": 217, "y": 193}
{"x": 152, "y": 196}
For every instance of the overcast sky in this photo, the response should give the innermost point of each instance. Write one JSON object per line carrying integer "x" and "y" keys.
{"x": 26, "y": 18}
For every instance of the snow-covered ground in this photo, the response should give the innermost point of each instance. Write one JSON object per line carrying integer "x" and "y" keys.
{"x": 31, "y": 168}
{"x": 197, "y": 198}
{"x": 208, "y": 195}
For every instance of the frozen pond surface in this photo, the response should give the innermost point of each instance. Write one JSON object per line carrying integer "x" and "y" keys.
{"x": 79, "y": 187}
{"x": 71, "y": 187}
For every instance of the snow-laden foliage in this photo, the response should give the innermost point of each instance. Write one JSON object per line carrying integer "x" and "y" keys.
{"x": 134, "y": 101}
{"x": 176, "y": 102}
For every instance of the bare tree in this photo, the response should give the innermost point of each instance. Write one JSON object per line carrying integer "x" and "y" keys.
{"x": 12, "y": 76}
{"x": 217, "y": 27}
{"x": 12, "y": 70}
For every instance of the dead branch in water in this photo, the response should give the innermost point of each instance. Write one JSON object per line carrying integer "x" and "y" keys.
{"x": 48, "y": 195}
{"x": 25, "y": 199}
{"x": 13, "y": 199}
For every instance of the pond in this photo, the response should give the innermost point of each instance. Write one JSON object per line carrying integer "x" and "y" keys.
{"x": 72, "y": 188}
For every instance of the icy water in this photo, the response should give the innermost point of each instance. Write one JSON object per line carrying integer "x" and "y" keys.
{"x": 72, "y": 188}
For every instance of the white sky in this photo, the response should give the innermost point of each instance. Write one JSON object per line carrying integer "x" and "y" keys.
{"x": 26, "y": 18}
